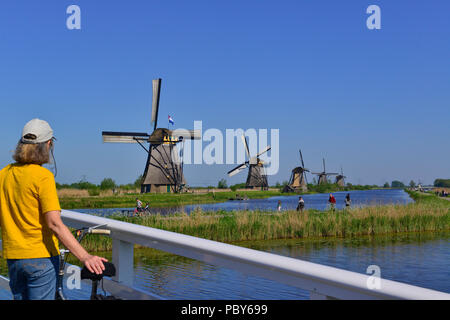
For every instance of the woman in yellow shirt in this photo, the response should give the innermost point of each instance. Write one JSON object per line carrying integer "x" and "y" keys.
{"x": 30, "y": 219}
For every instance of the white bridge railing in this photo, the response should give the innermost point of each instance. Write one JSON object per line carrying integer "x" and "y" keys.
{"x": 323, "y": 282}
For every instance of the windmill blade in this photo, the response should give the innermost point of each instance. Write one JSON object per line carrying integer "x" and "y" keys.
{"x": 264, "y": 151}
{"x": 301, "y": 158}
{"x": 244, "y": 141}
{"x": 237, "y": 169}
{"x": 155, "y": 101}
{"x": 187, "y": 134}
{"x": 324, "y": 165}
{"x": 124, "y": 137}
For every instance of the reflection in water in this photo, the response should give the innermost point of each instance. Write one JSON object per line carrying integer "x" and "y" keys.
{"x": 417, "y": 259}
{"x": 189, "y": 279}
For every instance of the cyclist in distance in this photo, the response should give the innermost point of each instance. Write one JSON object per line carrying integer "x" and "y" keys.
{"x": 30, "y": 219}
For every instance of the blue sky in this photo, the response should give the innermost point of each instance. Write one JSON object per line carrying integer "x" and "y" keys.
{"x": 374, "y": 101}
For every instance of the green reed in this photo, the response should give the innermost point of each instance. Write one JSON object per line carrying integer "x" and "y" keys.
{"x": 268, "y": 225}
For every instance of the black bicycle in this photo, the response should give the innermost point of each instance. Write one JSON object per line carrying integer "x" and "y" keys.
{"x": 109, "y": 271}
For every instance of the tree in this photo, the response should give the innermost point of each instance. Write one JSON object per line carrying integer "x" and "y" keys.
{"x": 107, "y": 183}
{"x": 386, "y": 185}
{"x": 83, "y": 184}
{"x": 412, "y": 184}
{"x": 234, "y": 187}
{"x": 442, "y": 183}
{"x": 222, "y": 184}
{"x": 397, "y": 184}
{"x": 138, "y": 181}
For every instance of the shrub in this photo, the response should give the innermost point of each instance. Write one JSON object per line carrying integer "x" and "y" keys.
{"x": 107, "y": 183}
{"x": 222, "y": 184}
{"x": 94, "y": 191}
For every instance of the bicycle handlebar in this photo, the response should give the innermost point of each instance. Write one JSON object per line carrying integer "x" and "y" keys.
{"x": 100, "y": 231}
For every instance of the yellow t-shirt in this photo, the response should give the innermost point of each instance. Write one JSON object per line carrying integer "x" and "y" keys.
{"x": 27, "y": 192}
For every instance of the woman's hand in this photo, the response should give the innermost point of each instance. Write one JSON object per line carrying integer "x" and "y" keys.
{"x": 94, "y": 263}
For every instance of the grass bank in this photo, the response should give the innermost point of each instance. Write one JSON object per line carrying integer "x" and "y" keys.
{"x": 159, "y": 200}
{"x": 426, "y": 214}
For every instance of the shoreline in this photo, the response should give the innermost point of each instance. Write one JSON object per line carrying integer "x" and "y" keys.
{"x": 170, "y": 200}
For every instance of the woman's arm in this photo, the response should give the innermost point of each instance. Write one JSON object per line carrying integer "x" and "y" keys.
{"x": 92, "y": 263}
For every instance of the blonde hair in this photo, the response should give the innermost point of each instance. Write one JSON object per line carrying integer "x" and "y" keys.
{"x": 36, "y": 153}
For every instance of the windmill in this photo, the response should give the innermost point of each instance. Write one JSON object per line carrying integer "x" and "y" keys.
{"x": 323, "y": 175}
{"x": 256, "y": 176}
{"x": 163, "y": 170}
{"x": 340, "y": 179}
{"x": 297, "y": 181}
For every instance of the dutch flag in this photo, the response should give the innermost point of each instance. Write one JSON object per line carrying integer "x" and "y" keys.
{"x": 171, "y": 120}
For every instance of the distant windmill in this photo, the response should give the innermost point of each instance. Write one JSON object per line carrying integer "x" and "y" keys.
{"x": 340, "y": 179}
{"x": 297, "y": 181}
{"x": 256, "y": 177}
{"x": 163, "y": 171}
{"x": 323, "y": 175}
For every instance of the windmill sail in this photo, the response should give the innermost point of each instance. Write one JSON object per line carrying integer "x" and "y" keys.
{"x": 155, "y": 101}
{"x": 238, "y": 169}
{"x": 124, "y": 137}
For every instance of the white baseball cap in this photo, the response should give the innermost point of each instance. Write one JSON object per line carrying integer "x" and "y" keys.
{"x": 36, "y": 131}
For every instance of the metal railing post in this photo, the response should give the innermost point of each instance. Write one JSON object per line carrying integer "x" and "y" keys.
{"x": 122, "y": 257}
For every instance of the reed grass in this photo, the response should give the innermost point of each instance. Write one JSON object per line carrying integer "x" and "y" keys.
{"x": 266, "y": 225}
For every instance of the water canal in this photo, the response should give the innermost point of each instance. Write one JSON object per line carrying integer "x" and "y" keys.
{"x": 312, "y": 201}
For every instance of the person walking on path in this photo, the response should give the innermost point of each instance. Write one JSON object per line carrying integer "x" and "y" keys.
{"x": 301, "y": 204}
{"x": 138, "y": 205}
{"x": 347, "y": 201}
{"x": 30, "y": 219}
{"x": 332, "y": 201}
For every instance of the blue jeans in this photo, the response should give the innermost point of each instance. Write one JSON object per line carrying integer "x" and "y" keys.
{"x": 33, "y": 279}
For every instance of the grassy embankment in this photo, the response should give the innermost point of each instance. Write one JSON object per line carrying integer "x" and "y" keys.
{"x": 428, "y": 213}
{"x": 158, "y": 200}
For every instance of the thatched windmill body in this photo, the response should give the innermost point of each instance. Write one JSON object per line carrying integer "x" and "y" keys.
{"x": 256, "y": 177}
{"x": 323, "y": 175}
{"x": 340, "y": 179}
{"x": 298, "y": 181}
{"x": 164, "y": 168}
